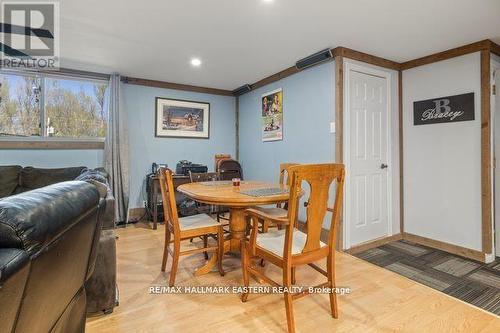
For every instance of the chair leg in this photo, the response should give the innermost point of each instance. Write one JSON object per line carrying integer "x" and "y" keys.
{"x": 331, "y": 281}
{"x": 287, "y": 281}
{"x": 175, "y": 261}
{"x": 265, "y": 226}
{"x": 244, "y": 267}
{"x": 262, "y": 263}
{"x": 205, "y": 245}
{"x": 220, "y": 251}
{"x": 293, "y": 275}
{"x": 165, "y": 250}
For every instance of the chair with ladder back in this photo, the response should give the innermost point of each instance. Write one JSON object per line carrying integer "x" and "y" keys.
{"x": 200, "y": 225}
{"x": 281, "y": 209}
{"x": 290, "y": 248}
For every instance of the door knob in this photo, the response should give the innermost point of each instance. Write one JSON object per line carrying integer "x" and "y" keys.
{"x": 383, "y": 166}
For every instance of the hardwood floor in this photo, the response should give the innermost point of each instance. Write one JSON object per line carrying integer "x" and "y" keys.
{"x": 380, "y": 300}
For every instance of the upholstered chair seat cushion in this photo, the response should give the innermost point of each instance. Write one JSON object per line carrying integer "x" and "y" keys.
{"x": 274, "y": 241}
{"x": 197, "y": 221}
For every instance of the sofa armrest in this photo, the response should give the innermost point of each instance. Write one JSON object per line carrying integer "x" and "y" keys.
{"x": 108, "y": 216}
{"x": 11, "y": 261}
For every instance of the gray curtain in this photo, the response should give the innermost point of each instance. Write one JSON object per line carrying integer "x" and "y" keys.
{"x": 116, "y": 160}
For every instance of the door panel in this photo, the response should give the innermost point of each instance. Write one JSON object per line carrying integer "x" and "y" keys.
{"x": 368, "y": 136}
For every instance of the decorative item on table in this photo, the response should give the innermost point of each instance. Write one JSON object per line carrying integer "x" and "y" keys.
{"x": 236, "y": 181}
{"x": 272, "y": 115}
{"x": 183, "y": 168}
{"x": 182, "y": 119}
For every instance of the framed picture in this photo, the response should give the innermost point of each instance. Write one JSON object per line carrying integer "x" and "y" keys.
{"x": 272, "y": 115}
{"x": 182, "y": 119}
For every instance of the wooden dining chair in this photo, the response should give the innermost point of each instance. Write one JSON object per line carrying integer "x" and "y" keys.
{"x": 290, "y": 247}
{"x": 200, "y": 225}
{"x": 281, "y": 209}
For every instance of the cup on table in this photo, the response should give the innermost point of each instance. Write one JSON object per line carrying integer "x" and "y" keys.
{"x": 236, "y": 181}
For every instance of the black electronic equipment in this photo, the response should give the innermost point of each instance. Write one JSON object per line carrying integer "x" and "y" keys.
{"x": 242, "y": 90}
{"x": 183, "y": 168}
{"x": 155, "y": 167}
{"x": 314, "y": 59}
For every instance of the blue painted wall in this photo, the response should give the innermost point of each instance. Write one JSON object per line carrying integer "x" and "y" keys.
{"x": 145, "y": 148}
{"x": 308, "y": 104}
{"x": 56, "y": 158}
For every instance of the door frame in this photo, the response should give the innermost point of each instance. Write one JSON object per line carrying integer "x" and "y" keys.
{"x": 349, "y": 66}
{"x": 495, "y": 66}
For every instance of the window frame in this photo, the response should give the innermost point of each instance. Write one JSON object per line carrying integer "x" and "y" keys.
{"x": 49, "y": 142}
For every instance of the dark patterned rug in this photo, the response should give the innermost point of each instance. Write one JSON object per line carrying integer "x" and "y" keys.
{"x": 468, "y": 280}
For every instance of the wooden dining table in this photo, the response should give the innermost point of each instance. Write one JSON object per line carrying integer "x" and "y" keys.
{"x": 223, "y": 193}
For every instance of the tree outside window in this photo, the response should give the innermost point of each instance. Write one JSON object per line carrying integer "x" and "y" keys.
{"x": 52, "y": 107}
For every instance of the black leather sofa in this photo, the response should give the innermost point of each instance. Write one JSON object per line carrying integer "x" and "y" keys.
{"x": 101, "y": 287}
{"x": 48, "y": 245}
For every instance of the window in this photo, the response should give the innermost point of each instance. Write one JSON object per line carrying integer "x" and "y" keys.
{"x": 19, "y": 105}
{"x": 47, "y": 107}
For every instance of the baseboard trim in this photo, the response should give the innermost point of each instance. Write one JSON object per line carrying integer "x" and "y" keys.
{"x": 447, "y": 247}
{"x": 373, "y": 243}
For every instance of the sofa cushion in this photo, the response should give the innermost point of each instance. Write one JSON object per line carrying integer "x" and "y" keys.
{"x": 33, "y": 219}
{"x": 32, "y": 178}
{"x": 9, "y": 179}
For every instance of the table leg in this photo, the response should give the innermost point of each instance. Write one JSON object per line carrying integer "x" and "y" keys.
{"x": 238, "y": 228}
{"x": 212, "y": 262}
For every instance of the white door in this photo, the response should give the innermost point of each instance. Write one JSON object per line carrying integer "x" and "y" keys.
{"x": 496, "y": 147}
{"x": 368, "y": 157}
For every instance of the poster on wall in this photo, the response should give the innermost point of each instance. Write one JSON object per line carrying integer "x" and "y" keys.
{"x": 444, "y": 109}
{"x": 182, "y": 119}
{"x": 272, "y": 115}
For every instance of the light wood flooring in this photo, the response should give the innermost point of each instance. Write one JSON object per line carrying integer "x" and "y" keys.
{"x": 380, "y": 301}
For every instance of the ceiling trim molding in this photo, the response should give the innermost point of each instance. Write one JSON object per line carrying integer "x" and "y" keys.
{"x": 365, "y": 57}
{"x": 345, "y": 52}
{"x": 448, "y": 54}
{"x": 495, "y": 48}
{"x": 275, "y": 77}
{"x": 175, "y": 86}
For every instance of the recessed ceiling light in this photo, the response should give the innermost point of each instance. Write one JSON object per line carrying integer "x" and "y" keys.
{"x": 196, "y": 62}
{"x": 267, "y": 1}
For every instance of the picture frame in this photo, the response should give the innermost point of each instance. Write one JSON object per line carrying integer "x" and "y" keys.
{"x": 176, "y": 118}
{"x": 272, "y": 115}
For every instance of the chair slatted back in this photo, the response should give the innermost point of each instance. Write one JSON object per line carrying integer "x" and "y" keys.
{"x": 284, "y": 173}
{"x": 285, "y": 179}
{"x": 168, "y": 198}
{"x": 320, "y": 178}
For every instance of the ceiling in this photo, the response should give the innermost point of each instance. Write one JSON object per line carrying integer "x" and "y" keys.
{"x": 242, "y": 41}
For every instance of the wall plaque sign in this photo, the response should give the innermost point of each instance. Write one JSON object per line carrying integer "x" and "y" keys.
{"x": 444, "y": 110}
